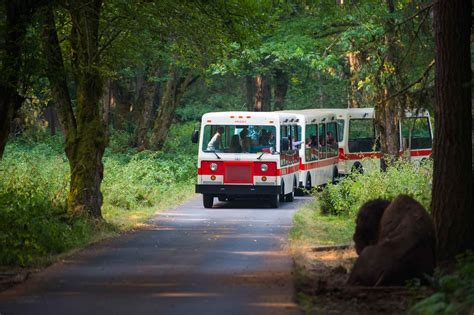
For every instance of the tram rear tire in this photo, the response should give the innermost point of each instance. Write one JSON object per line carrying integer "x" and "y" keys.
{"x": 290, "y": 197}
{"x": 207, "y": 200}
{"x": 221, "y": 198}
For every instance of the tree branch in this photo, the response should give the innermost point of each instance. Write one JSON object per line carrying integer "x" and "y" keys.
{"x": 406, "y": 88}
{"x": 56, "y": 73}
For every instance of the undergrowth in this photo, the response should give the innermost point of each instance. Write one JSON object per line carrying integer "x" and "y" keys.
{"x": 34, "y": 178}
{"x": 453, "y": 292}
{"x": 330, "y": 218}
{"x": 346, "y": 197}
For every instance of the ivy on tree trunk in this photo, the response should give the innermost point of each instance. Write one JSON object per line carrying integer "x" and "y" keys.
{"x": 85, "y": 130}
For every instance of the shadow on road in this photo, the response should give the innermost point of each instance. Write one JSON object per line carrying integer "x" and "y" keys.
{"x": 255, "y": 204}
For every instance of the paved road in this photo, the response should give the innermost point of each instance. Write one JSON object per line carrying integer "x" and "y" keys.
{"x": 227, "y": 260}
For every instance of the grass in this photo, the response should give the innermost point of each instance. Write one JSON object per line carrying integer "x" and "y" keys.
{"x": 311, "y": 227}
{"x": 34, "y": 177}
{"x": 330, "y": 218}
{"x": 126, "y": 219}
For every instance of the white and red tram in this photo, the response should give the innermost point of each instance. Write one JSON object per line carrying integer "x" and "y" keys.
{"x": 244, "y": 154}
{"x": 358, "y": 144}
{"x": 319, "y": 152}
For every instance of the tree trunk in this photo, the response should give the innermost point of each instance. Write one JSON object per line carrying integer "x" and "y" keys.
{"x": 106, "y": 104}
{"x": 354, "y": 68}
{"x": 250, "y": 92}
{"x": 281, "y": 87}
{"x": 144, "y": 107}
{"x": 263, "y": 93}
{"x": 50, "y": 116}
{"x": 387, "y": 108}
{"x": 174, "y": 90}
{"x": 88, "y": 148}
{"x": 85, "y": 132}
{"x": 452, "y": 180}
{"x": 17, "y": 16}
{"x": 122, "y": 103}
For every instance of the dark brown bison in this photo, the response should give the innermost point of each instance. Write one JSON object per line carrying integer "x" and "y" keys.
{"x": 368, "y": 222}
{"x": 395, "y": 243}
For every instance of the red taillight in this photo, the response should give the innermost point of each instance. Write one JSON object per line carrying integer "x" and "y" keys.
{"x": 341, "y": 155}
{"x": 207, "y": 170}
{"x": 271, "y": 171}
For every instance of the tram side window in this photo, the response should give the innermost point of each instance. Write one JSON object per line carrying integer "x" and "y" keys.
{"x": 331, "y": 137}
{"x": 296, "y": 141}
{"x": 362, "y": 135}
{"x": 311, "y": 142}
{"x": 416, "y": 132}
{"x": 340, "y": 130}
{"x": 322, "y": 141}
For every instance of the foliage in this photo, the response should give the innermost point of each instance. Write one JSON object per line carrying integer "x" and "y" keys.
{"x": 34, "y": 178}
{"x": 454, "y": 292}
{"x": 346, "y": 197}
{"x": 221, "y": 93}
{"x": 33, "y": 222}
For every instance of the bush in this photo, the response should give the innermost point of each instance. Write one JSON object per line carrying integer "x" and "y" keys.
{"x": 32, "y": 210}
{"x": 142, "y": 180}
{"x": 346, "y": 197}
{"x": 34, "y": 179}
{"x": 454, "y": 293}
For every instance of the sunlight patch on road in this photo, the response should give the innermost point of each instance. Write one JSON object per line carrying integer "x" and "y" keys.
{"x": 261, "y": 253}
{"x": 276, "y": 305}
{"x": 185, "y": 294}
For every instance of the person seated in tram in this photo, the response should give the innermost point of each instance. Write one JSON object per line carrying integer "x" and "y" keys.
{"x": 330, "y": 138}
{"x": 235, "y": 145}
{"x": 245, "y": 140}
{"x": 263, "y": 138}
{"x": 312, "y": 148}
{"x": 216, "y": 140}
{"x": 295, "y": 144}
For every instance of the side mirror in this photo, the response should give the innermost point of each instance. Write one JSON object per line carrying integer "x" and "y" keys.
{"x": 195, "y": 136}
{"x": 284, "y": 144}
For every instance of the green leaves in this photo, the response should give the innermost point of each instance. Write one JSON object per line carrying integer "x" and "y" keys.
{"x": 454, "y": 292}
{"x": 350, "y": 193}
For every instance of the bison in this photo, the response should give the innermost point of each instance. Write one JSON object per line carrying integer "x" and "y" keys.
{"x": 395, "y": 242}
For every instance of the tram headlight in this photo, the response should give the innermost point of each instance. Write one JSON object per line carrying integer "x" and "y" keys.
{"x": 213, "y": 167}
{"x": 264, "y": 167}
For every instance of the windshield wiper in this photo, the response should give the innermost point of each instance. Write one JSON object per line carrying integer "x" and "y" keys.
{"x": 260, "y": 156}
{"x": 214, "y": 151}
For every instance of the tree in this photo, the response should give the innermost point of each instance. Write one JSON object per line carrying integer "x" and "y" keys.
{"x": 176, "y": 86}
{"x": 85, "y": 132}
{"x": 452, "y": 181}
{"x": 18, "y": 16}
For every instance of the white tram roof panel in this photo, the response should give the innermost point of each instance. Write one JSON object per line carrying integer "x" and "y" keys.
{"x": 311, "y": 116}
{"x": 248, "y": 118}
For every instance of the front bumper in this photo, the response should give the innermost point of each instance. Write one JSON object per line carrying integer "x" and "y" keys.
{"x": 238, "y": 189}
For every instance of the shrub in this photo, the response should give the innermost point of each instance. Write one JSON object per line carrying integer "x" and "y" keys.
{"x": 454, "y": 293}
{"x": 346, "y": 197}
{"x": 34, "y": 178}
{"x": 142, "y": 180}
{"x": 31, "y": 208}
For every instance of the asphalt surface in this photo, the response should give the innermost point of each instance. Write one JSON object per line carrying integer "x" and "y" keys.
{"x": 230, "y": 259}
